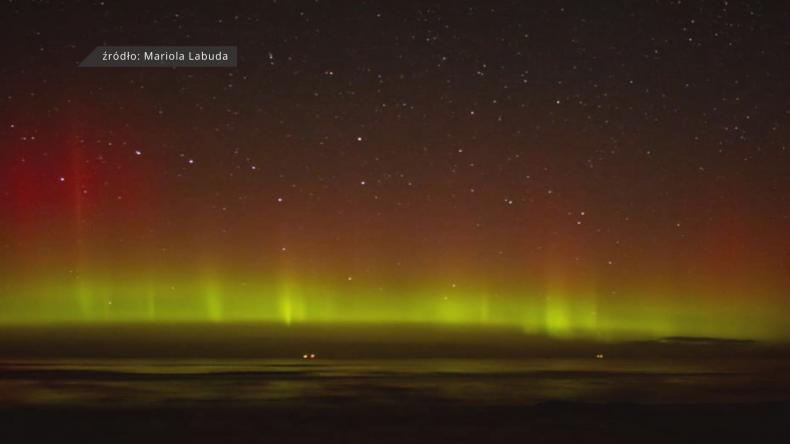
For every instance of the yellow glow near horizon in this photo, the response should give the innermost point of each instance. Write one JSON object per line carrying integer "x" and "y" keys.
{"x": 556, "y": 312}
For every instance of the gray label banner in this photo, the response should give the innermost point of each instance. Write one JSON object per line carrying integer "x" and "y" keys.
{"x": 161, "y": 57}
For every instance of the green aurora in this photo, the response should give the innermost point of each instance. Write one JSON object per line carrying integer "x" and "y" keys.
{"x": 553, "y": 312}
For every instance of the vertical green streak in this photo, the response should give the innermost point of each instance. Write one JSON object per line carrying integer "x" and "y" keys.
{"x": 212, "y": 296}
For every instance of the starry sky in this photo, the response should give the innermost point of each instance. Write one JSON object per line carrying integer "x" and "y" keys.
{"x": 593, "y": 169}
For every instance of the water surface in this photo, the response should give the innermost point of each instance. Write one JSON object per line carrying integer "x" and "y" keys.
{"x": 479, "y": 382}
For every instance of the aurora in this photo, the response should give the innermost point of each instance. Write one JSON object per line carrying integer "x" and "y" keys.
{"x": 494, "y": 221}
{"x": 470, "y": 186}
{"x": 556, "y": 313}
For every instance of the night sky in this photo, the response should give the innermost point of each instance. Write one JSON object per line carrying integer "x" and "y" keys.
{"x": 595, "y": 169}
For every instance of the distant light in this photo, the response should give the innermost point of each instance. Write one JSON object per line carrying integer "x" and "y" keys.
{"x": 599, "y": 356}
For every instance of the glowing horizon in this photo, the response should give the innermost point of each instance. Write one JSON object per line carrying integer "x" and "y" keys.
{"x": 495, "y": 180}
{"x": 554, "y": 312}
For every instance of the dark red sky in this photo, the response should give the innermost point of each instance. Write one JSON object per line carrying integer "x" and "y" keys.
{"x": 634, "y": 151}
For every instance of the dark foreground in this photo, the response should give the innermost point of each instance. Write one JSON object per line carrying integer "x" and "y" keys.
{"x": 246, "y": 385}
{"x": 395, "y": 401}
{"x": 406, "y": 423}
